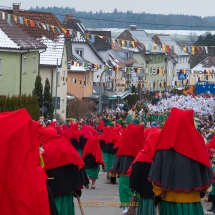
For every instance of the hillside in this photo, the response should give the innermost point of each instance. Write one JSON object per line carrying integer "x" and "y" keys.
{"x": 142, "y": 20}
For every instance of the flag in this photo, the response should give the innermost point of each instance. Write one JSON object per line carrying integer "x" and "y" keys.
{"x": 155, "y": 48}
{"x": 63, "y": 30}
{"x": 92, "y": 38}
{"x": 43, "y": 26}
{"x": 21, "y": 20}
{"x": 123, "y": 43}
{"x": 168, "y": 48}
{"x": 52, "y": 27}
{"x": 15, "y": 18}
{"x": 198, "y": 49}
{"x": 48, "y": 28}
{"x": 193, "y": 49}
{"x": 163, "y": 48}
{"x": 26, "y": 21}
{"x": 137, "y": 44}
{"x": 3, "y": 15}
{"x": 32, "y": 23}
{"x": 133, "y": 44}
{"x": 8, "y": 18}
{"x": 185, "y": 49}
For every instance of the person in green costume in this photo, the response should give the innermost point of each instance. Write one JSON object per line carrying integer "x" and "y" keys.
{"x": 129, "y": 118}
{"x": 160, "y": 119}
{"x": 132, "y": 143}
{"x": 139, "y": 171}
{"x": 180, "y": 175}
{"x": 109, "y": 120}
{"x": 92, "y": 156}
{"x": 136, "y": 120}
{"x": 66, "y": 171}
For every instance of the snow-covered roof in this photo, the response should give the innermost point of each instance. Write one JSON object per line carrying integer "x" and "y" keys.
{"x": 207, "y": 64}
{"x": 12, "y": 37}
{"x": 6, "y": 42}
{"x": 79, "y": 68}
{"x": 53, "y": 52}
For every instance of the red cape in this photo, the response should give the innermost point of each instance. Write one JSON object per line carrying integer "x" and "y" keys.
{"x": 92, "y": 146}
{"x": 101, "y": 125}
{"x": 148, "y": 153}
{"x": 58, "y": 151}
{"x": 179, "y": 133}
{"x": 133, "y": 141}
{"x": 105, "y": 133}
{"x": 75, "y": 133}
{"x": 22, "y": 179}
{"x": 86, "y": 131}
{"x": 211, "y": 143}
{"x": 119, "y": 142}
{"x": 114, "y": 135}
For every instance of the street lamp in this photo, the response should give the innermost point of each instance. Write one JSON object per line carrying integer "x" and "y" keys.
{"x": 100, "y": 92}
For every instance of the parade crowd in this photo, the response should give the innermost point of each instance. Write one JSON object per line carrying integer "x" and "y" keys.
{"x": 161, "y": 153}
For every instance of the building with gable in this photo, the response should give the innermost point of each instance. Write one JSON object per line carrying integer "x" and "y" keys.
{"x": 46, "y": 28}
{"x": 19, "y": 59}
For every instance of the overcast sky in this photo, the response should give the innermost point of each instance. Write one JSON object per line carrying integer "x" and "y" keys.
{"x": 189, "y": 7}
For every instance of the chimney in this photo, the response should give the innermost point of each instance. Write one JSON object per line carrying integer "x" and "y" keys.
{"x": 68, "y": 17}
{"x": 133, "y": 27}
{"x": 16, "y": 9}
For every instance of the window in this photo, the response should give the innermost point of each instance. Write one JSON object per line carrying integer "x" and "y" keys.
{"x": 0, "y": 67}
{"x": 64, "y": 75}
{"x": 63, "y": 105}
{"x": 34, "y": 63}
{"x": 58, "y": 79}
{"x": 80, "y": 52}
{"x": 24, "y": 65}
{"x": 86, "y": 79}
{"x": 100, "y": 66}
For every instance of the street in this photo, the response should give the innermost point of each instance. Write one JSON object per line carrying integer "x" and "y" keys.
{"x": 104, "y": 200}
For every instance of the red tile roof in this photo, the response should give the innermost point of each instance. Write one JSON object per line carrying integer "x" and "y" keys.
{"x": 16, "y": 35}
{"x": 41, "y": 17}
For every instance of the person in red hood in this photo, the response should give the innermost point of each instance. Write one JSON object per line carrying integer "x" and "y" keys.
{"x": 110, "y": 151}
{"x": 65, "y": 168}
{"x": 133, "y": 142}
{"x": 92, "y": 155}
{"x": 181, "y": 171}
{"x": 23, "y": 182}
{"x": 139, "y": 171}
{"x": 102, "y": 139}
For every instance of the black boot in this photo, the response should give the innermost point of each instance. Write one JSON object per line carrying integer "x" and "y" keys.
{"x": 113, "y": 180}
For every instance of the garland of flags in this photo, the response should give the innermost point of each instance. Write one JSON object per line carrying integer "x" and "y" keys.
{"x": 123, "y": 82}
{"x": 31, "y": 23}
{"x": 91, "y": 37}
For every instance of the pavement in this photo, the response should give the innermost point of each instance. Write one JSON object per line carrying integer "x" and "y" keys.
{"x": 104, "y": 199}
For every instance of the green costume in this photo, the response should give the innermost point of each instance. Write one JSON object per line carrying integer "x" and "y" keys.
{"x": 136, "y": 121}
{"x": 170, "y": 208}
{"x": 146, "y": 206}
{"x": 125, "y": 192}
{"x": 65, "y": 204}
{"x": 109, "y": 121}
{"x": 109, "y": 159}
{"x": 93, "y": 173}
{"x": 129, "y": 119}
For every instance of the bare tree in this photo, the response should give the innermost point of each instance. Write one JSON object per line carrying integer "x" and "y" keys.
{"x": 77, "y": 108}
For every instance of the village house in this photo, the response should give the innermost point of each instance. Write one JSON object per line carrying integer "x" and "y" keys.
{"x": 46, "y": 28}
{"x": 19, "y": 59}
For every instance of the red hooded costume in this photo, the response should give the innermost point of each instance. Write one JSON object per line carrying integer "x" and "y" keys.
{"x": 57, "y": 150}
{"x": 22, "y": 179}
